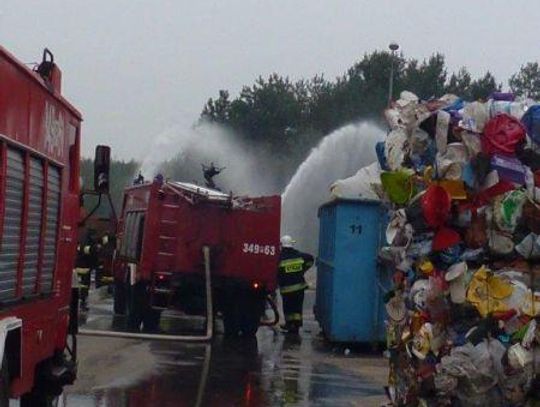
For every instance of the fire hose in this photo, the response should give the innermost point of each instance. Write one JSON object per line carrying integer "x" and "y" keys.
{"x": 183, "y": 338}
{"x": 270, "y": 300}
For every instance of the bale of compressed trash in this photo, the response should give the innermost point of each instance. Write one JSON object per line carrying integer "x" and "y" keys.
{"x": 462, "y": 185}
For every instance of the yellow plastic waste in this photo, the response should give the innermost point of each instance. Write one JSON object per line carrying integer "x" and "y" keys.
{"x": 426, "y": 267}
{"x": 486, "y": 307}
{"x": 486, "y": 291}
{"x": 455, "y": 188}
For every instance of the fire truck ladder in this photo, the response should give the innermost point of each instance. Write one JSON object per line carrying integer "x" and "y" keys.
{"x": 182, "y": 338}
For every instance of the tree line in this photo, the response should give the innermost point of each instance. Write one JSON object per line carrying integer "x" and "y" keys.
{"x": 286, "y": 118}
{"x": 290, "y": 116}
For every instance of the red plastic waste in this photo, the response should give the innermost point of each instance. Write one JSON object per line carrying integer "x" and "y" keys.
{"x": 502, "y": 134}
{"x": 445, "y": 238}
{"x": 436, "y": 206}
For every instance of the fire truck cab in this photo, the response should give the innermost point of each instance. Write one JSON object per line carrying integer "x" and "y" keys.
{"x": 39, "y": 209}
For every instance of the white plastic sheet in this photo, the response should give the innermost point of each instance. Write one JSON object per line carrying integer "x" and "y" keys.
{"x": 363, "y": 185}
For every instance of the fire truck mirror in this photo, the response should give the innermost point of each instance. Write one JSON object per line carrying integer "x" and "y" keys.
{"x": 102, "y": 162}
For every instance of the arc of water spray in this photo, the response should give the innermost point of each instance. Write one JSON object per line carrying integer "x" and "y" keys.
{"x": 339, "y": 155}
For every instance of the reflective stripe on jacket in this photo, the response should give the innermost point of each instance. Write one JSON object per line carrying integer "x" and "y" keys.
{"x": 292, "y": 288}
{"x": 292, "y": 267}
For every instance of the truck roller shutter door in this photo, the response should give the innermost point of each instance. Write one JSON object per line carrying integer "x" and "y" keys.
{"x": 131, "y": 244}
{"x": 33, "y": 230}
{"x": 127, "y": 233}
{"x": 11, "y": 233}
{"x": 131, "y": 234}
{"x": 51, "y": 228}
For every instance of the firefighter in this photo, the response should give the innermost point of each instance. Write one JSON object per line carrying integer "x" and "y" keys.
{"x": 139, "y": 180}
{"x": 209, "y": 174}
{"x": 87, "y": 260}
{"x": 292, "y": 266}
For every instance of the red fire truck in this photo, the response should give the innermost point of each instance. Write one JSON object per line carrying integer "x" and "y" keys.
{"x": 163, "y": 229}
{"x": 39, "y": 210}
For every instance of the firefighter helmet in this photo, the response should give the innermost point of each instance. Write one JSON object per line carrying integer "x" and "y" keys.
{"x": 287, "y": 241}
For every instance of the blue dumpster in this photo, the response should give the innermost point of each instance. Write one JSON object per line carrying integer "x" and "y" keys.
{"x": 350, "y": 284}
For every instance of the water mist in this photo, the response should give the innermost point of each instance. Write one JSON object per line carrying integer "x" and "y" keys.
{"x": 188, "y": 147}
{"x": 339, "y": 155}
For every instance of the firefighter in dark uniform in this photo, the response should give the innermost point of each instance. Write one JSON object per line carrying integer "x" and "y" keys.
{"x": 87, "y": 261}
{"x": 209, "y": 174}
{"x": 292, "y": 266}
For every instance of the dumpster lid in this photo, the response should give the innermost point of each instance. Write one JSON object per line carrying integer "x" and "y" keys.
{"x": 337, "y": 201}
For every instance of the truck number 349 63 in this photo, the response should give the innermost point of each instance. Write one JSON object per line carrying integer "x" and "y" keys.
{"x": 266, "y": 250}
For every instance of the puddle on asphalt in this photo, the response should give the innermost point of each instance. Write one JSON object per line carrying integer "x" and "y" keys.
{"x": 100, "y": 317}
{"x": 268, "y": 371}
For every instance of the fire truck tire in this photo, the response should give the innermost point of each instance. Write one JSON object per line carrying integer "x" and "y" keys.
{"x": 120, "y": 293}
{"x": 242, "y": 317}
{"x": 250, "y": 317}
{"x": 231, "y": 324}
{"x": 151, "y": 320}
{"x": 4, "y": 383}
{"x": 137, "y": 306}
{"x": 249, "y": 323}
{"x": 39, "y": 399}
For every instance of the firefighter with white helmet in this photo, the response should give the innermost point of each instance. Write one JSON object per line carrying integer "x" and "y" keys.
{"x": 292, "y": 266}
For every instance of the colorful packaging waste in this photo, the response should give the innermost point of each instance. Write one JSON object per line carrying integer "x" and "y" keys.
{"x": 461, "y": 183}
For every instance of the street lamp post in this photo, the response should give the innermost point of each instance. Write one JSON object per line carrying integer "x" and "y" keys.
{"x": 393, "y": 47}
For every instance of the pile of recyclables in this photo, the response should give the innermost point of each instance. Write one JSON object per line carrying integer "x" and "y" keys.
{"x": 462, "y": 184}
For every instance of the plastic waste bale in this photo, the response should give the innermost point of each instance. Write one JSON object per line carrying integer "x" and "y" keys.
{"x": 462, "y": 185}
{"x": 365, "y": 184}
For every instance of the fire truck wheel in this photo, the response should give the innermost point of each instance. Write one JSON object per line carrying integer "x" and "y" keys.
{"x": 39, "y": 399}
{"x": 4, "y": 384}
{"x": 137, "y": 306}
{"x": 230, "y": 320}
{"x": 250, "y": 317}
{"x": 250, "y": 324}
{"x": 242, "y": 314}
{"x": 120, "y": 294}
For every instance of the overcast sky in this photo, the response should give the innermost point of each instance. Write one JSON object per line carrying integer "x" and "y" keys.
{"x": 135, "y": 68}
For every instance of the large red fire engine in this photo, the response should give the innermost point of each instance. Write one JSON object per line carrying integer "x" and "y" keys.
{"x": 163, "y": 230}
{"x": 39, "y": 209}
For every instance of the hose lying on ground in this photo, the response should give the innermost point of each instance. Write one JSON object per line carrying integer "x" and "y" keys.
{"x": 274, "y": 307}
{"x": 182, "y": 338}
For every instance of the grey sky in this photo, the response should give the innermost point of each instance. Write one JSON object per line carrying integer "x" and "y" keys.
{"x": 134, "y": 68}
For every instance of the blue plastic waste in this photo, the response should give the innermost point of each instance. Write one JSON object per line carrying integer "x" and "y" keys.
{"x": 454, "y": 107}
{"x": 350, "y": 284}
{"x": 379, "y": 149}
{"x": 531, "y": 121}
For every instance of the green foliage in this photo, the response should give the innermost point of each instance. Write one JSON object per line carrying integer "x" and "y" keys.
{"x": 284, "y": 119}
{"x": 426, "y": 79}
{"x": 481, "y": 88}
{"x": 459, "y": 83}
{"x": 290, "y": 118}
{"x": 218, "y": 109}
{"x": 527, "y": 81}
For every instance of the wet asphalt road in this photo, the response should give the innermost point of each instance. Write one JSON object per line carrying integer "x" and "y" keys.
{"x": 269, "y": 370}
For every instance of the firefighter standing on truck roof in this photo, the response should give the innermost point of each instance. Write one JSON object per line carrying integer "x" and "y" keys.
{"x": 292, "y": 266}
